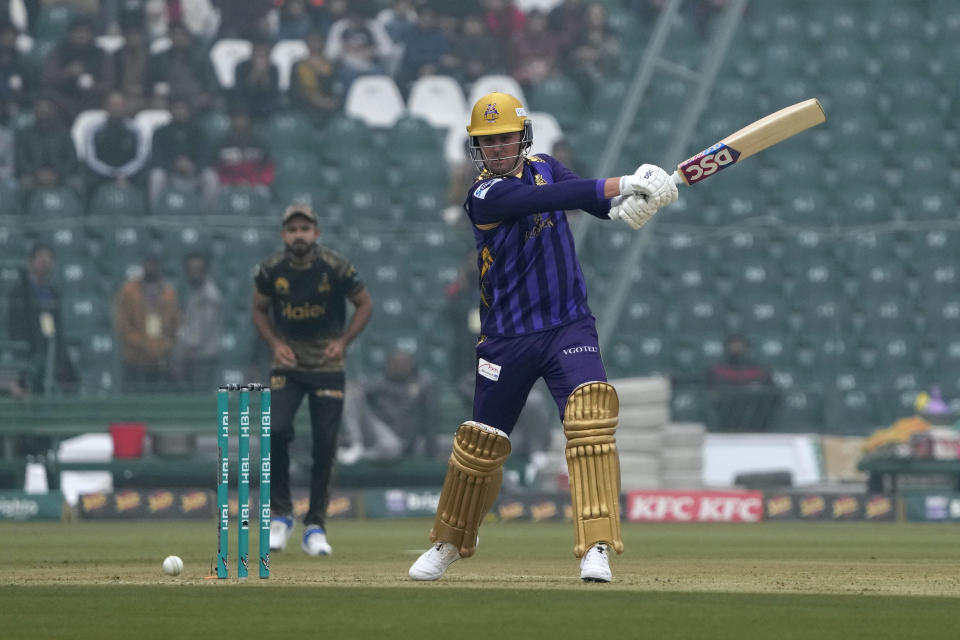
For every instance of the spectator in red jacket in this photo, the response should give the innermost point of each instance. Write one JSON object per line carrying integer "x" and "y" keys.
{"x": 242, "y": 158}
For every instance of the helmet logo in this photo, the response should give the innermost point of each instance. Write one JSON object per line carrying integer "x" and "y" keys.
{"x": 491, "y": 114}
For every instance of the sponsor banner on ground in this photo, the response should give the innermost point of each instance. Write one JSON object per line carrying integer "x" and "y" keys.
{"x": 17, "y": 505}
{"x": 400, "y": 503}
{"x": 148, "y": 504}
{"x": 695, "y": 506}
{"x": 823, "y": 506}
{"x": 936, "y": 506}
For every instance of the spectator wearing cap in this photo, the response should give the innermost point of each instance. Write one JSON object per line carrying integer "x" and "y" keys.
{"x": 300, "y": 308}
{"x": 146, "y": 318}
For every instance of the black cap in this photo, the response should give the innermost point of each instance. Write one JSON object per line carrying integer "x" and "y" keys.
{"x": 299, "y": 209}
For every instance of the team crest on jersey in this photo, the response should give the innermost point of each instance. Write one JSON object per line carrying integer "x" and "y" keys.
{"x": 282, "y": 285}
{"x": 491, "y": 114}
{"x": 324, "y": 285}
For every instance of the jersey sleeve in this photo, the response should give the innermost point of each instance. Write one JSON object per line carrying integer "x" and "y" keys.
{"x": 503, "y": 199}
{"x": 347, "y": 274}
{"x": 561, "y": 173}
{"x": 262, "y": 282}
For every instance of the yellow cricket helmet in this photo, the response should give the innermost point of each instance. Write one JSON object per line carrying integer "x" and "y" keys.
{"x": 497, "y": 113}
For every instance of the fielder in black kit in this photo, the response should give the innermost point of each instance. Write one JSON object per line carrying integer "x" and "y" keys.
{"x": 300, "y": 308}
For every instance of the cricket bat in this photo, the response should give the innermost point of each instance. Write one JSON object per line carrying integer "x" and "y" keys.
{"x": 765, "y": 132}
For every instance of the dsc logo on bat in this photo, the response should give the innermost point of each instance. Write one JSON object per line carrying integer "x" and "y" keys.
{"x": 708, "y": 162}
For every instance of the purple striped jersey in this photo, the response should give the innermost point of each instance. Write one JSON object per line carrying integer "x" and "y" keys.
{"x": 530, "y": 279}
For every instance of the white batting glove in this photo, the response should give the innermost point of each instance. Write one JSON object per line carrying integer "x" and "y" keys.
{"x": 651, "y": 181}
{"x": 636, "y": 210}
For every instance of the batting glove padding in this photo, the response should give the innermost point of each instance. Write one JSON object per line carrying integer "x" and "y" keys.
{"x": 635, "y": 210}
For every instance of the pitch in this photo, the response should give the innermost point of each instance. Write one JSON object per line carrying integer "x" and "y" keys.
{"x": 802, "y": 580}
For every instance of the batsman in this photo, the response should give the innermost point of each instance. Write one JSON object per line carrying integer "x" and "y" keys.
{"x": 535, "y": 322}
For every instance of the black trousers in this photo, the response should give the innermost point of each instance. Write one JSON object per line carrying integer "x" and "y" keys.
{"x": 325, "y": 400}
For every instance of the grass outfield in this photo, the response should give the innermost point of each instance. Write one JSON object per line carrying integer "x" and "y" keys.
{"x": 770, "y": 580}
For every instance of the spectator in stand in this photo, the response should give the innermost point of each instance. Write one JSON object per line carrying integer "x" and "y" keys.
{"x": 146, "y": 318}
{"x": 245, "y": 19}
{"x": 503, "y": 19}
{"x": 595, "y": 53}
{"x": 199, "y": 17}
{"x": 398, "y": 20}
{"x": 182, "y": 70}
{"x": 476, "y": 52}
{"x": 15, "y": 76}
{"x": 294, "y": 21}
{"x": 357, "y": 44}
{"x": 534, "y": 50}
{"x": 426, "y": 51}
{"x": 743, "y": 394}
{"x": 257, "y": 86}
{"x": 312, "y": 82}
{"x": 566, "y": 20}
{"x": 242, "y": 158}
{"x": 130, "y": 65}
{"x": 179, "y": 157}
{"x": 116, "y": 149}
{"x": 33, "y": 304}
{"x": 395, "y": 414}
{"x": 45, "y": 155}
{"x": 198, "y": 336}
{"x": 77, "y": 70}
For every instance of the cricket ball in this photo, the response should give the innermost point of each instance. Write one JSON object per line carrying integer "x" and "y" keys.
{"x": 172, "y": 565}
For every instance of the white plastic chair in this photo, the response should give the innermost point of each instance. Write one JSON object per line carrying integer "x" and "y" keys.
{"x": 160, "y": 45}
{"x": 109, "y": 44}
{"x": 376, "y": 100}
{"x": 148, "y": 121}
{"x": 225, "y": 55}
{"x": 81, "y": 127}
{"x": 546, "y": 132}
{"x": 529, "y": 5}
{"x": 439, "y": 100}
{"x": 455, "y": 146}
{"x": 285, "y": 54}
{"x": 494, "y": 82}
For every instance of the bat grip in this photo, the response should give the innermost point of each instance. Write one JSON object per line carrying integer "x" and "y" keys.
{"x": 677, "y": 178}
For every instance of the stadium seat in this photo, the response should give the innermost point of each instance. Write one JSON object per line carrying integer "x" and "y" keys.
{"x": 343, "y": 136}
{"x": 560, "y": 97}
{"x": 53, "y": 202}
{"x": 225, "y": 55}
{"x": 148, "y": 121}
{"x": 495, "y": 82}
{"x": 175, "y": 202}
{"x": 114, "y": 200}
{"x": 241, "y": 201}
{"x": 439, "y": 100}
{"x": 215, "y": 125}
{"x": 801, "y": 411}
{"x": 289, "y": 130}
{"x": 285, "y": 54}
{"x": 413, "y": 135}
{"x": 53, "y": 21}
{"x": 376, "y": 100}
{"x": 10, "y": 201}
{"x": 546, "y": 132}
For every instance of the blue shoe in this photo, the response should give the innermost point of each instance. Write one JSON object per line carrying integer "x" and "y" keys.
{"x": 280, "y": 529}
{"x": 315, "y": 542}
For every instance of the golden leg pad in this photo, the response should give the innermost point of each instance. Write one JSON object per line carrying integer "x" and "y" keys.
{"x": 471, "y": 486}
{"x": 589, "y": 423}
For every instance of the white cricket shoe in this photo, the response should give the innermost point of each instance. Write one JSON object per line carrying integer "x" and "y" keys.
{"x": 280, "y": 529}
{"x": 315, "y": 542}
{"x": 432, "y": 564}
{"x": 595, "y": 564}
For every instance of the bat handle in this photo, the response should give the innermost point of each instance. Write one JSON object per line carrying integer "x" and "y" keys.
{"x": 677, "y": 178}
